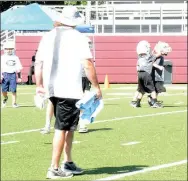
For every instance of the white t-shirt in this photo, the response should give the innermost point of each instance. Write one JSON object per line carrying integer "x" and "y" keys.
{"x": 62, "y": 51}
{"x": 10, "y": 64}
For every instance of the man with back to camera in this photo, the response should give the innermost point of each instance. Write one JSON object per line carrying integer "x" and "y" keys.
{"x": 86, "y": 86}
{"x": 10, "y": 64}
{"x": 58, "y": 72}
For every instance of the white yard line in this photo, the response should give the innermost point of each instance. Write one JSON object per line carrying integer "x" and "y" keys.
{"x": 140, "y": 116}
{"x": 8, "y": 142}
{"x": 130, "y": 143}
{"x": 102, "y": 121}
{"x": 113, "y": 98}
{"x": 145, "y": 170}
{"x": 169, "y": 87}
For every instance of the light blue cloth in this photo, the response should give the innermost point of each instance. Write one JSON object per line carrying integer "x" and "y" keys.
{"x": 90, "y": 107}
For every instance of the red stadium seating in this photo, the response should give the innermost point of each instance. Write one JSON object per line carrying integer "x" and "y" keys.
{"x": 116, "y": 56}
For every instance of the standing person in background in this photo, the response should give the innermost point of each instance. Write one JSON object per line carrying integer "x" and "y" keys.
{"x": 58, "y": 72}
{"x": 10, "y": 64}
{"x": 31, "y": 70}
{"x": 86, "y": 86}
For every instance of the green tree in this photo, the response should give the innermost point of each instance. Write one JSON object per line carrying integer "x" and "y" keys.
{"x": 4, "y": 5}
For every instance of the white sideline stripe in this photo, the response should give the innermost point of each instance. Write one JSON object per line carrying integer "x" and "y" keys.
{"x": 140, "y": 116}
{"x": 167, "y": 86}
{"x": 130, "y": 143}
{"x": 153, "y": 168}
{"x": 20, "y": 132}
{"x": 8, "y": 142}
{"x": 115, "y": 98}
{"x": 102, "y": 121}
{"x": 120, "y": 93}
{"x": 162, "y": 94}
{"x": 76, "y": 142}
{"x": 178, "y": 103}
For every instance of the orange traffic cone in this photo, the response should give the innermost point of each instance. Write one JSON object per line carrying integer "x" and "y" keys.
{"x": 106, "y": 82}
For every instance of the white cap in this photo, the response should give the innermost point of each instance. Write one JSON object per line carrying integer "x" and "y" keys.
{"x": 70, "y": 16}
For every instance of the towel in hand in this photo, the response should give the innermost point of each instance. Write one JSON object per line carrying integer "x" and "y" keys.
{"x": 39, "y": 101}
{"x": 90, "y": 107}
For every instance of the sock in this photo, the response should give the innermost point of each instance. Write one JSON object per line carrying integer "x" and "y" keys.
{"x": 149, "y": 98}
{"x": 56, "y": 169}
{"x": 70, "y": 162}
{"x": 138, "y": 101}
{"x": 48, "y": 123}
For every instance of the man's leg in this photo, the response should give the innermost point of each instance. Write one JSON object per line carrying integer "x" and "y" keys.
{"x": 29, "y": 77}
{"x": 86, "y": 86}
{"x": 57, "y": 147}
{"x": 49, "y": 115}
{"x": 58, "y": 144}
{"x": 5, "y": 99}
{"x": 13, "y": 89}
{"x": 14, "y": 96}
{"x": 68, "y": 146}
{"x": 68, "y": 121}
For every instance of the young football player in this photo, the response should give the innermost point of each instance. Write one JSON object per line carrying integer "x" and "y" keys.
{"x": 145, "y": 63}
{"x": 158, "y": 69}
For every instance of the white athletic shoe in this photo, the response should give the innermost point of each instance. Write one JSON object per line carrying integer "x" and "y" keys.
{"x": 4, "y": 102}
{"x": 15, "y": 105}
{"x": 83, "y": 130}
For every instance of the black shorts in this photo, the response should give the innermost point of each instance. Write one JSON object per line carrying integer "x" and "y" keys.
{"x": 145, "y": 83}
{"x": 159, "y": 87}
{"x": 86, "y": 84}
{"x": 66, "y": 113}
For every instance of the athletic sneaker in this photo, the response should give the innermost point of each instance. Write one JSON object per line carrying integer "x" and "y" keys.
{"x": 15, "y": 105}
{"x": 71, "y": 167}
{"x": 45, "y": 130}
{"x": 55, "y": 174}
{"x": 150, "y": 102}
{"x": 135, "y": 104}
{"x": 4, "y": 102}
{"x": 157, "y": 105}
{"x": 83, "y": 130}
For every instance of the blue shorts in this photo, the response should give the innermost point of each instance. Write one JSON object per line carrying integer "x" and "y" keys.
{"x": 9, "y": 82}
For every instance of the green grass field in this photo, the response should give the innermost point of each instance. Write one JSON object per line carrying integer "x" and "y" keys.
{"x": 160, "y": 137}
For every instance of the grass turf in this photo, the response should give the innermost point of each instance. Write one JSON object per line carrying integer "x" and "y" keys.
{"x": 162, "y": 138}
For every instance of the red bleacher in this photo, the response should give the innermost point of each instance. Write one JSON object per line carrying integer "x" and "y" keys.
{"x": 116, "y": 56}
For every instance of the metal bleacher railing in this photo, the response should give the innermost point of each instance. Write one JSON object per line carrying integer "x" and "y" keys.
{"x": 128, "y": 17}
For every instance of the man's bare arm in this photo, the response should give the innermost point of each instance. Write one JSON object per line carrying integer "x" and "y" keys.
{"x": 38, "y": 73}
{"x": 91, "y": 73}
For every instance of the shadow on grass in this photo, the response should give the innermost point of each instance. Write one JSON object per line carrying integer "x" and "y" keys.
{"x": 20, "y": 106}
{"x": 27, "y": 106}
{"x": 174, "y": 106}
{"x": 106, "y": 104}
{"x": 100, "y": 129}
{"x": 114, "y": 170}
